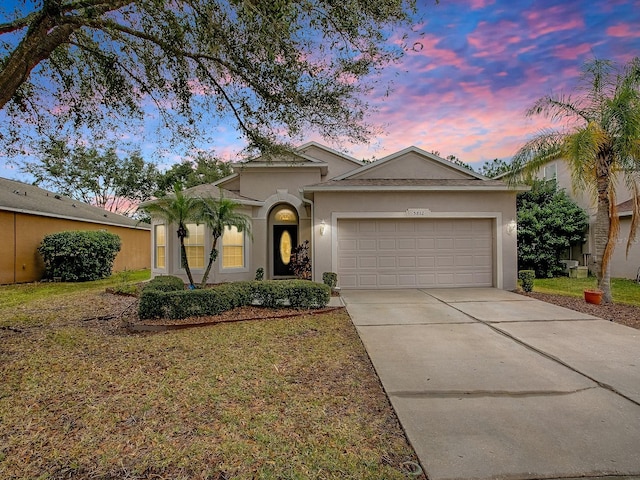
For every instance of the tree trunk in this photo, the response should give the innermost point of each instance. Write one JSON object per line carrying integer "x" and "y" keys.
{"x": 212, "y": 258}
{"x": 602, "y": 228}
{"x": 185, "y": 262}
{"x": 42, "y": 38}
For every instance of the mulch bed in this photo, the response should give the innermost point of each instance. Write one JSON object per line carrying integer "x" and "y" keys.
{"x": 239, "y": 314}
{"x": 621, "y": 313}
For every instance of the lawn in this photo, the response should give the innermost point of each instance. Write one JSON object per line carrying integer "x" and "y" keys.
{"x": 20, "y": 294}
{"x": 292, "y": 398}
{"x": 623, "y": 290}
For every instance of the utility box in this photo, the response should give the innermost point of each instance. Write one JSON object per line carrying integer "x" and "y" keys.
{"x": 579, "y": 272}
{"x": 568, "y": 265}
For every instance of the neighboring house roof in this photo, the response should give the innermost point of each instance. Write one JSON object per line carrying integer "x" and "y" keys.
{"x": 625, "y": 209}
{"x": 24, "y": 198}
{"x": 409, "y": 184}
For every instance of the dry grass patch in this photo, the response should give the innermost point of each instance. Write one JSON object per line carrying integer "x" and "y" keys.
{"x": 286, "y": 398}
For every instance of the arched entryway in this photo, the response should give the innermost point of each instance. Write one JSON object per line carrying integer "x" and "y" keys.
{"x": 283, "y": 226}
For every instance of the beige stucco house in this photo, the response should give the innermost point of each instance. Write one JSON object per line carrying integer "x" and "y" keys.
{"x": 411, "y": 219}
{"x": 29, "y": 213}
{"x": 622, "y": 266}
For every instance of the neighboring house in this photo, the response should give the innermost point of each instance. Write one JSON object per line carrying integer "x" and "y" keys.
{"x": 621, "y": 265}
{"x": 28, "y": 213}
{"x": 411, "y": 219}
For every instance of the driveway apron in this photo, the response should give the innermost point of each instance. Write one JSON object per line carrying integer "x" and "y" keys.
{"x": 491, "y": 384}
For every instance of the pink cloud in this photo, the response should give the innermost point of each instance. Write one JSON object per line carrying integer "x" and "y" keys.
{"x": 441, "y": 57}
{"x": 572, "y": 52}
{"x": 479, "y": 4}
{"x": 490, "y": 40}
{"x": 551, "y": 20}
{"x": 623, "y": 30}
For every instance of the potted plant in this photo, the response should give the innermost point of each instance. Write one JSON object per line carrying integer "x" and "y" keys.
{"x": 593, "y": 295}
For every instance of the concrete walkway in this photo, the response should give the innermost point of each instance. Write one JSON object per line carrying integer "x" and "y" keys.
{"x": 491, "y": 384}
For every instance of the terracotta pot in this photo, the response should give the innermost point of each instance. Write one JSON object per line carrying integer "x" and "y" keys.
{"x": 593, "y": 296}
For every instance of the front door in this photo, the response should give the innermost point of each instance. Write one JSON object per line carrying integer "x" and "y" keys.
{"x": 285, "y": 238}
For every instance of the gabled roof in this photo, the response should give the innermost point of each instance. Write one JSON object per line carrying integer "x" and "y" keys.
{"x": 21, "y": 197}
{"x": 344, "y": 156}
{"x": 430, "y": 157}
{"x": 294, "y": 159}
{"x": 212, "y": 190}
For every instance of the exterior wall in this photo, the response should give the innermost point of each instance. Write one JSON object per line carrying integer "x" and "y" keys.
{"x": 337, "y": 164}
{"x": 261, "y": 183}
{"x": 500, "y": 206}
{"x": 258, "y": 246}
{"x": 253, "y": 254}
{"x": 413, "y": 165}
{"x": 624, "y": 266}
{"x": 22, "y": 233}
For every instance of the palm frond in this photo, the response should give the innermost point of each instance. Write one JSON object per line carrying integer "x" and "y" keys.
{"x": 539, "y": 150}
{"x": 558, "y": 107}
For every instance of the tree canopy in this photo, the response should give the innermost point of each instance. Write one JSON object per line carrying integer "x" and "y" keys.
{"x": 600, "y": 142}
{"x": 202, "y": 169}
{"x": 95, "y": 176}
{"x": 274, "y": 67}
{"x": 549, "y": 223}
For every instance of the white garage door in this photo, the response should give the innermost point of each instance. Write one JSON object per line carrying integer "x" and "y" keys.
{"x": 403, "y": 253}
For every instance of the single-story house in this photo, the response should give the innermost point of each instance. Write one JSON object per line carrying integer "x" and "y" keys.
{"x": 411, "y": 219}
{"x": 29, "y": 213}
{"x": 622, "y": 266}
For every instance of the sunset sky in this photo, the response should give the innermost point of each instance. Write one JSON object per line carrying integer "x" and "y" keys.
{"x": 474, "y": 69}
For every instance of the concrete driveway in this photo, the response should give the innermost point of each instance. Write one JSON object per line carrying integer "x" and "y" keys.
{"x": 491, "y": 384}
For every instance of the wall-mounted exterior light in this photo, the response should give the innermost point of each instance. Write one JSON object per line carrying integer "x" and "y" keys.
{"x": 323, "y": 227}
{"x": 512, "y": 227}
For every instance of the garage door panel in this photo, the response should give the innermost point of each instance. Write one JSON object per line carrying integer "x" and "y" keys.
{"x": 387, "y": 244}
{"x": 406, "y": 243}
{"x": 387, "y": 227}
{"x": 396, "y": 253}
{"x": 345, "y": 263}
{"x": 426, "y": 243}
{"x": 464, "y": 261}
{"x": 406, "y": 262}
{"x": 407, "y": 280}
{"x": 368, "y": 262}
{"x": 347, "y": 245}
{"x": 426, "y": 262}
{"x": 386, "y": 280}
{"x": 387, "y": 262}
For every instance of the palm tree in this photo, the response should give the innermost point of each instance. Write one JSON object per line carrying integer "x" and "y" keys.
{"x": 600, "y": 143}
{"x": 177, "y": 209}
{"x": 216, "y": 214}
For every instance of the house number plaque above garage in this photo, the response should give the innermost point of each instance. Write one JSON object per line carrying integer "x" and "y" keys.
{"x": 417, "y": 212}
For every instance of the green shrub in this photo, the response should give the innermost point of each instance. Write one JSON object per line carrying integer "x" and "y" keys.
{"x": 176, "y": 304}
{"x": 79, "y": 256}
{"x": 330, "y": 278}
{"x": 527, "y": 277}
{"x": 260, "y": 274}
{"x": 165, "y": 283}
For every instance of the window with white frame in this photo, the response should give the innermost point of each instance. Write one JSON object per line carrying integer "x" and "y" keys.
{"x": 232, "y": 248}
{"x": 160, "y": 248}
{"x": 550, "y": 172}
{"x": 194, "y": 244}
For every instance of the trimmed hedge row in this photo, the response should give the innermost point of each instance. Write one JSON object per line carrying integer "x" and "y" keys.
{"x": 173, "y": 302}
